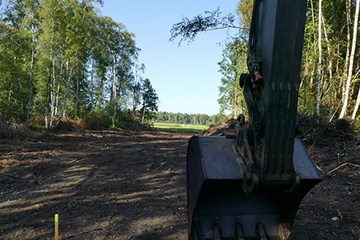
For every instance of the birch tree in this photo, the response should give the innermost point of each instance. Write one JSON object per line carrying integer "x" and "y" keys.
{"x": 356, "y": 21}
{"x": 320, "y": 59}
{"x": 33, "y": 6}
{"x": 330, "y": 63}
{"x": 346, "y": 85}
{"x": 113, "y": 92}
{"x": 81, "y": 21}
{"x": 137, "y": 85}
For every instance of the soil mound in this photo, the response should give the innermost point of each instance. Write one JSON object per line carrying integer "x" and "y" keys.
{"x": 221, "y": 128}
{"x": 13, "y": 131}
{"x": 136, "y": 125}
{"x": 315, "y": 130}
{"x": 312, "y": 130}
{"x": 93, "y": 123}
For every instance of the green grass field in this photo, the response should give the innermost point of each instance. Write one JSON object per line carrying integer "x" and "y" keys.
{"x": 183, "y": 127}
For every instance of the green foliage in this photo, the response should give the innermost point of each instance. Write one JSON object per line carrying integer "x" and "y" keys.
{"x": 244, "y": 10}
{"x": 232, "y": 66}
{"x": 78, "y": 56}
{"x": 36, "y": 127}
{"x": 335, "y": 43}
{"x": 114, "y": 128}
{"x": 150, "y": 101}
{"x": 185, "y": 118}
{"x": 14, "y": 51}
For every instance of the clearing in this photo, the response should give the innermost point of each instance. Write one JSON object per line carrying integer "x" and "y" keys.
{"x": 131, "y": 184}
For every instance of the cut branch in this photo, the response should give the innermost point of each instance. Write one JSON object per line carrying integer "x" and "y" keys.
{"x": 342, "y": 165}
{"x": 187, "y": 29}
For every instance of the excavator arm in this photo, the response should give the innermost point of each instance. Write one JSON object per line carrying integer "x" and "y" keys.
{"x": 250, "y": 185}
{"x": 271, "y": 89}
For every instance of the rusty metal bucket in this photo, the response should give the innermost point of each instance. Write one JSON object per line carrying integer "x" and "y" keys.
{"x": 218, "y": 207}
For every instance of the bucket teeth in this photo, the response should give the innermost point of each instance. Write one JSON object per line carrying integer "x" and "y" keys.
{"x": 239, "y": 232}
{"x": 216, "y": 232}
{"x": 262, "y": 232}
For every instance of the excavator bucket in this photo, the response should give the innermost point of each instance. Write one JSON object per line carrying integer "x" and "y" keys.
{"x": 219, "y": 208}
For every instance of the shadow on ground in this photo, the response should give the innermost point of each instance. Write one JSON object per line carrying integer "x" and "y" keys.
{"x": 103, "y": 184}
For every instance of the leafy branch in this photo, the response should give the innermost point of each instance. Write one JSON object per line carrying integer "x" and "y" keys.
{"x": 187, "y": 29}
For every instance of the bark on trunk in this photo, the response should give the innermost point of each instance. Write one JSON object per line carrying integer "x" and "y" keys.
{"x": 48, "y": 99}
{"x": 77, "y": 95}
{"x": 353, "y": 54}
{"x": 52, "y": 94}
{"x": 58, "y": 88}
{"x": 92, "y": 85}
{"x": 346, "y": 86}
{"x": 31, "y": 75}
{"x": 143, "y": 115}
{"x": 68, "y": 87}
{"x": 114, "y": 89}
{"x": 52, "y": 78}
{"x": 329, "y": 66}
{"x": 320, "y": 61}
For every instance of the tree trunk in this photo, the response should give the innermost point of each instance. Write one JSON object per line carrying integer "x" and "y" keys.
{"x": 329, "y": 66}
{"x": 143, "y": 115}
{"x": 137, "y": 88}
{"x": 338, "y": 46}
{"x": 353, "y": 54}
{"x": 68, "y": 87}
{"x": 52, "y": 78}
{"x": 315, "y": 51}
{"x": 77, "y": 95}
{"x": 92, "y": 85}
{"x": 31, "y": 75}
{"x": 346, "y": 86}
{"x": 303, "y": 81}
{"x": 338, "y": 92}
{"x": 52, "y": 93}
{"x": 58, "y": 88}
{"x": 114, "y": 89}
{"x": 48, "y": 99}
{"x": 320, "y": 61}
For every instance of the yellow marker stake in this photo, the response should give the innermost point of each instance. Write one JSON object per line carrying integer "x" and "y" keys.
{"x": 56, "y": 226}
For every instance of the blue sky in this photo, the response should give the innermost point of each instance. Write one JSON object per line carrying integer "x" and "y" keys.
{"x": 186, "y": 78}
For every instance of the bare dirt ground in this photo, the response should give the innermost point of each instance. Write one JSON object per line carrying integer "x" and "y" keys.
{"x": 126, "y": 184}
{"x": 131, "y": 184}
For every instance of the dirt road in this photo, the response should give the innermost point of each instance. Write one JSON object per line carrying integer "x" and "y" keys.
{"x": 131, "y": 184}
